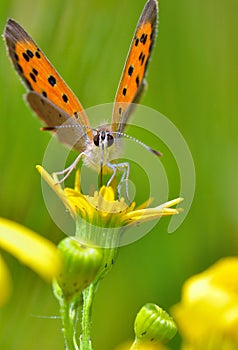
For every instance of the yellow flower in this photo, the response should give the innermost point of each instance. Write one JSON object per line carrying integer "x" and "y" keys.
{"x": 31, "y": 249}
{"x": 207, "y": 316}
{"x": 102, "y": 208}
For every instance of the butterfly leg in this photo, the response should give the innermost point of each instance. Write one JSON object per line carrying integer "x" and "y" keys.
{"x": 125, "y": 168}
{"x": 67, "y": 171}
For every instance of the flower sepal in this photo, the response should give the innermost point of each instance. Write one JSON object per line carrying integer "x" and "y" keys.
{"x": 80, "y": 266}
{"x": 153, "y": 325}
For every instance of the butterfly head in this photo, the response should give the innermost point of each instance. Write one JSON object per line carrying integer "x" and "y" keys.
{"x": 103, "y": 138}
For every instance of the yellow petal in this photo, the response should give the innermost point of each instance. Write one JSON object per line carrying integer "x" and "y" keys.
{"x": 31, "y": 249}
{"x": 56, "y": 188}
{"x": 150, "y": 214}
{"x": 5, "y": 282}
{"x": 77, "y": 181}
{"x": 170, "y": 203}
{"x": 107, "y": 193}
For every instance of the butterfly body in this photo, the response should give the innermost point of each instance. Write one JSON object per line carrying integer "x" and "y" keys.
{"x": 54, "y": 102}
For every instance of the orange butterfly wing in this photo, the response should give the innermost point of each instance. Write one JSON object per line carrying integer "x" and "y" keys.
{"x": 40, "y": 76}
{"x": 132, "y": 81}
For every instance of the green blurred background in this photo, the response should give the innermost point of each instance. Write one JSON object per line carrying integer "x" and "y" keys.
{"x": 193, "y": 80}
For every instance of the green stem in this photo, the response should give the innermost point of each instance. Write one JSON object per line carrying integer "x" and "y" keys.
{"x": 85, "y": 338}
{"x": 88, "y": 296}
{"x": 69, "y": 318}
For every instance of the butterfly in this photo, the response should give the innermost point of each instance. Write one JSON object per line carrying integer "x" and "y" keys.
{"x": 55, "y": 103}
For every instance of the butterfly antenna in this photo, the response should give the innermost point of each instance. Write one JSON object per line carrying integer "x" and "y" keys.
{"x": 64, "y": 126}
{"x": 157, "y": 153}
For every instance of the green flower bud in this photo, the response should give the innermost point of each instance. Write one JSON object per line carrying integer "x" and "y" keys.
{"x": 80, "y": 265}
{"x": 153, "y": 324}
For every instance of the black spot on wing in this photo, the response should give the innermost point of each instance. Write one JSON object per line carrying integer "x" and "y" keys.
{"x": 19, "y": 67}
{"x": 33, "y": 77}
{"x": 16, "y": 56}
{"x": 65, "y": 98}
{"x": 143, "y": 38}
{"x": 37, "y": 54}
{"x": 28, "y": 84}
{"x": 52, "y": 80}
{"x": 130, "y": 70}
{"x": 26, "y": 57}
{"x": 142, "y": 59}
{"x": 29, "y": 53}
{"x": 35, "y": 71}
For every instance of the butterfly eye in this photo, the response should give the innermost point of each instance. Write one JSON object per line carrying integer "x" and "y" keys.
{"x": 103, "y": 135}
{"x": 96, "y": 140}
{"x": 110, "y": 140}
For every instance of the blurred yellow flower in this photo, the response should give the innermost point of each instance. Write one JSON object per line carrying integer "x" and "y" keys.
{"x": 5, "y": 282}
{"x": 207, "y": 316}
{"x": 31, "y": 249}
